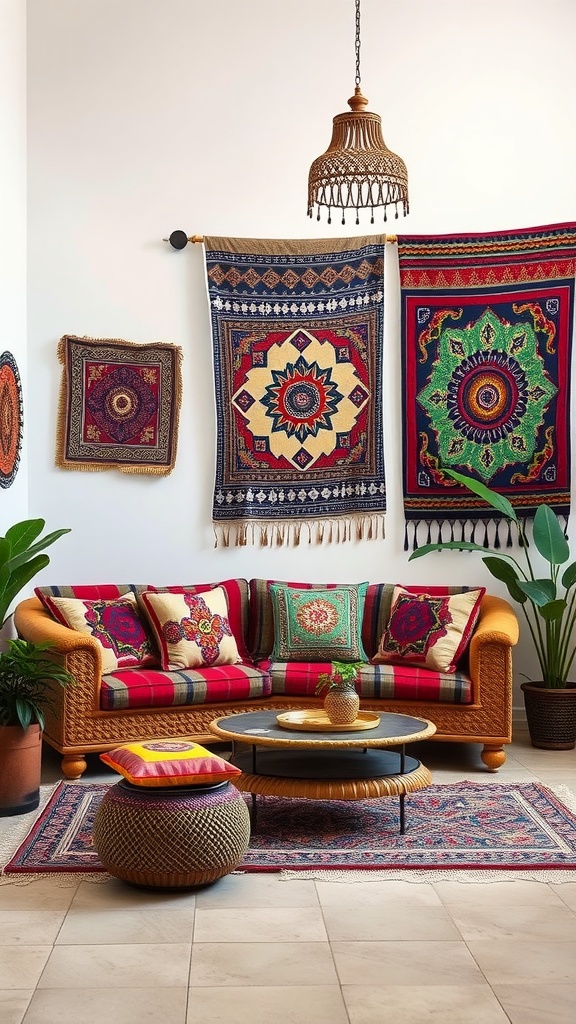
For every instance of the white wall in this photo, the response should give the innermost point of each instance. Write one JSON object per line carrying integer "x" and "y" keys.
{"x": 150, "y": 115}
{"x": 13, "y": 499}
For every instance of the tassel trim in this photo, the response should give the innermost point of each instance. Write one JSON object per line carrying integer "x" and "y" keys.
{"x": 490, "y": 533}
{"x": 288, "y": 533}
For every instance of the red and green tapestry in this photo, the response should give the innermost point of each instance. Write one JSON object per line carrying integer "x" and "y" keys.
{"x": 297, "y": 339}
{"x": 119, "y": 405}
{"x": 486, "y": 341}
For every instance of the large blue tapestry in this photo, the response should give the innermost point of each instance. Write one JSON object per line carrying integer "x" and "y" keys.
{"x": 297, "y": 337}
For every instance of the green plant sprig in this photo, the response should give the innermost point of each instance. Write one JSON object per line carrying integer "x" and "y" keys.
{"x": 342, "y": 677}
{"x": 550, "y": 616}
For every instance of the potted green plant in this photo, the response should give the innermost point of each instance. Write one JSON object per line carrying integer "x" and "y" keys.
{"x": 21, "y": 560}
{"x": 27, "y": 674}
{"x": 548, "y": 603}
{"x": 341, "y": 701}
{"x": 26, "y": 678}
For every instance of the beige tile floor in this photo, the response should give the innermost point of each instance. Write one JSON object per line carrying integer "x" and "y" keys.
{"x": 253, "y": 949}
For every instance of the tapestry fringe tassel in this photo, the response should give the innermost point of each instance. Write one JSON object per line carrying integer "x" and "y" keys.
{"x": 287, "y": 533}
{"x": 490, "y": 533}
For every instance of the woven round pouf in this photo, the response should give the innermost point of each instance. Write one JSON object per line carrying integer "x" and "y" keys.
{"x": 171, "y": 837}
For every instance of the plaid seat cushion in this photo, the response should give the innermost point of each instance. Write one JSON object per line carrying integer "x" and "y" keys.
{"x": 399, "y": 682}
{"x": 153, "y": 688}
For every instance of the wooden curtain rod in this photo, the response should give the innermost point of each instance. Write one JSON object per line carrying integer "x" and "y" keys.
{"x": 179, "y": 239}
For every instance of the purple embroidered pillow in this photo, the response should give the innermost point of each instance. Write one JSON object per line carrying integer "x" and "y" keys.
{"x": 192, "y": 630}
{"x": 428, "y": 631}
{"x": 116, "y": 625}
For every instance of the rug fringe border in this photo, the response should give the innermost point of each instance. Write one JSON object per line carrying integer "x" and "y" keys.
{"x": 483, "y": 875}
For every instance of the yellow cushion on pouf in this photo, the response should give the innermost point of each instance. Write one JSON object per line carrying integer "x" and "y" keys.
{"x": 169, "y": 763}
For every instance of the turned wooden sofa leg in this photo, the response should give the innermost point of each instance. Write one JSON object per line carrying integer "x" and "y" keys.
{"x": 74, "y": 765}
{"x": 493, "y": 757}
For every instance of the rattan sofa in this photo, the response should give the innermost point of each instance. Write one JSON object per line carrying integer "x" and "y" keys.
{"x": 81, "y": 724}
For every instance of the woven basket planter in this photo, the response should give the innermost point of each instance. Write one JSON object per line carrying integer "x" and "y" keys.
{"x": 551, "y": 716}
{"x": 171, "y": 838}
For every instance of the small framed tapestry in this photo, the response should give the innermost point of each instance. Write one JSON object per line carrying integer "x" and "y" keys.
{"x": 11, "y": 419}
{"x": 119, "y": 405}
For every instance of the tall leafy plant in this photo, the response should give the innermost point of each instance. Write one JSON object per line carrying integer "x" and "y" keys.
{"x": 548, "y": 602}
{"x": 21, "y": 559}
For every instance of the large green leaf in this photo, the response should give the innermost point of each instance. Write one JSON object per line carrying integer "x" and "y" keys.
{"x": 18, "y": 580}
{"x": 449, "y": 545}
{"x": 549, "y": 536}
{"x": 504, "y": 571}
{"x": 493, "y": 498}
{"x": 22, "y": 534}
{"x": 553, "y": 610}
{"x": 540, "y": 592}
{"x": 30, "y": 552}
{"x": 5, "y": 549}
{"x": 569, "y": 576}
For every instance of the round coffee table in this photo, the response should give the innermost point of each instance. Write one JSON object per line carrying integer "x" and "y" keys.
{"x": 326, "y": 765}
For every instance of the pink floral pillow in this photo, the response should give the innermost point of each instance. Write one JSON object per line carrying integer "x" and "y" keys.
{"x": 192, "y": 630}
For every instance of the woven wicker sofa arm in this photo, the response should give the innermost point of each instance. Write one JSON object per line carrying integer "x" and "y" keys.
{"x": 34, "y": 623}
{"x": 497, "y": 623}
{"x": 491, "y": 653}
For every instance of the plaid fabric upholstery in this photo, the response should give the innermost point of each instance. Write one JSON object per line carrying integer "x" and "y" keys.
{"x": 91, "y": 592}
{"x": 152, "y": 688}
{"x": 400, "y": 682}
{"x": 376, "y": 612}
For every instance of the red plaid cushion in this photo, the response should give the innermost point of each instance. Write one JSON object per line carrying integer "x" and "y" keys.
{"x": 299, "y": 679}
{"x": 90, "y": 592}
{"x": 153, "y": 688}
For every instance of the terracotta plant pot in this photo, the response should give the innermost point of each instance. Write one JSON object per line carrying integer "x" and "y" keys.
{"x": 20, "y": 769}
{"x": 551, "y": 716}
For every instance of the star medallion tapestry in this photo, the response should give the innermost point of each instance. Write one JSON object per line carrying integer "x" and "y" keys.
{"x": 486, "y": 340}
{"x": 297, "y": 339}
{"x": 119, "y": 405}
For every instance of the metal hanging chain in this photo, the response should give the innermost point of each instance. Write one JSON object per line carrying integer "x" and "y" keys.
{"x": 357, "y": 43}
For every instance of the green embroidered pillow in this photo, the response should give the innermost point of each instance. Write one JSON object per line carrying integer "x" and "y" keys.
{"x": 322, "y": 624}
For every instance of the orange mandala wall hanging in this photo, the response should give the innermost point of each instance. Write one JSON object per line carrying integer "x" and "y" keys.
{"x": 11, "y": 419}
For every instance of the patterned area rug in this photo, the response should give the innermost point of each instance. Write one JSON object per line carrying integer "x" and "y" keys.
{"x": 472, "y": 826}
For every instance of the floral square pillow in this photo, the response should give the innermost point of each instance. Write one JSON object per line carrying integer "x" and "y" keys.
{"x": 117, "y": 626}
{"x": 428, "y": 631}
{"x": 318, "y": 624}
{"x": 191, "y": 630}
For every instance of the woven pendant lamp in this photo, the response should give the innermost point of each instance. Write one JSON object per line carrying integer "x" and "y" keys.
{"x": 357, "y": 171}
